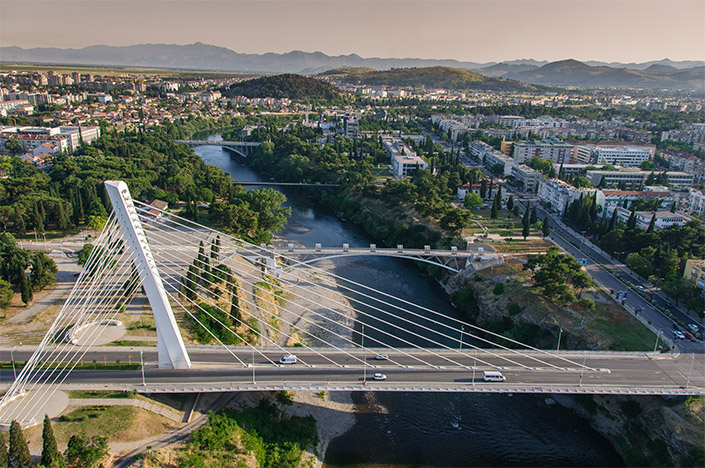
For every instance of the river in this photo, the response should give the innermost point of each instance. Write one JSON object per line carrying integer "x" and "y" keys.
{"x": 431, "y": 429}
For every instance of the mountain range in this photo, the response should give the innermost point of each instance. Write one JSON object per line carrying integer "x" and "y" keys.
{"x": 655, "y": 74}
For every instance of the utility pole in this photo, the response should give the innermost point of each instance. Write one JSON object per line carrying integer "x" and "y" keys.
{"x": 144, "y": 384}
{"x": 657, "y": 337}
{"x": 364, "y": 354}
{"x": 462, "y": 330}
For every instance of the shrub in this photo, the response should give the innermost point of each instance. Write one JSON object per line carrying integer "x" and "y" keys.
{"x": 498, "y": 289}
{"x": 514, "y": 309}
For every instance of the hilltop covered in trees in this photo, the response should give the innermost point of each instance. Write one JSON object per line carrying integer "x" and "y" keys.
{"x": 428, "y": 77}
{"x": 288, "y": 85}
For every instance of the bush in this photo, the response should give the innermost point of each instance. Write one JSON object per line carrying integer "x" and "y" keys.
{"x": 498, "y": 289}
{"x": 514, "y": 309}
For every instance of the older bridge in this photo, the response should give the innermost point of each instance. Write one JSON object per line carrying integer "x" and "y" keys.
{"x": 243, "y": 148}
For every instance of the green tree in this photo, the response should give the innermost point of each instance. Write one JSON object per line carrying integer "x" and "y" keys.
{"x": 493, "y": 211}
{"x": 19, "y": 450}
{"x": 557, "y": 274}
{"x": 534, "y": 216}
{"x": 13, "y": 146}
{"x": 472, "y": 201}
{"x": 4, "y": 461}
{"x": 510, "y": 203}
{"x": 6, "y": 295}
{"x": 51, "y": 457}
{"x": 546, "y": 227}
{"x": 525, "y": 231}
{"x": 83, "y": 453}
{"x": 26, "y": 290}
{"x": 516, "y": 211}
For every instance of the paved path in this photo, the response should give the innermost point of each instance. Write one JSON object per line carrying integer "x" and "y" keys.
{"x": 181, "y": 433}
{"x": 65, "y": 279}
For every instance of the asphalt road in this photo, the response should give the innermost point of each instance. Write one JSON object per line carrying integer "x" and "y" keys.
{"x": 215, "y": 366}
{"x": 565, "y": 238}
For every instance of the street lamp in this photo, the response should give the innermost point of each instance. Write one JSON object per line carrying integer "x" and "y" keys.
{"x": 462, "y": 330}
{"x": 657, "y": 337}
{"x": 558, "y": 346}
{"x": 364, "y": 357}
{"x": 12, "y": 358}
{"x": 144, "y": 384}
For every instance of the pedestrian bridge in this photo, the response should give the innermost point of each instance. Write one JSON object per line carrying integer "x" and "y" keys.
{"x": 205, "y": 279}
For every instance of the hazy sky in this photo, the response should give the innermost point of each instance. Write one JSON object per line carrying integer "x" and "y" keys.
{"x": 473, "y": 30}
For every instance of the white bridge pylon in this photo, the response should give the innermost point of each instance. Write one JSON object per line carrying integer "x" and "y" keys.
{"x": 172, "y": 352}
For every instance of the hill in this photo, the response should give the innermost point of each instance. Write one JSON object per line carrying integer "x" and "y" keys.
{"x": 575, "y": 73}
{"x": 288, "y": 85}
{"x": 427, "y": 77}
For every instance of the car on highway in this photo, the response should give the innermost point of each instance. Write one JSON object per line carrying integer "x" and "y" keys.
{"x": 493, "y": 376}
{"x": 381, "y": 357}
{"x": 379, "y": 376}
{"x": 690, "y": 336}
{"x": 678, "y": 334}
{"x": 288, "y": 359}
{"x": 693, "y": 327}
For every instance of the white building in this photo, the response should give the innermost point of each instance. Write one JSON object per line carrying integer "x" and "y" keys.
{"x": 527, "y": 177}
{"x": 626, "y": 156}
{"x": 551, "y": 150}
{"x": 560, "y": 194}
{"x": 404, "y": 160}
{"x": 614, "y": 198}
{"x": 664, "y": 219}
{"x": 497, "y": 157}
{"x": 635, "y": 178}
{"x": 696, "y": 202}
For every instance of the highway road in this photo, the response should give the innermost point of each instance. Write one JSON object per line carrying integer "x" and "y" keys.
{"x": 214, "y": 368}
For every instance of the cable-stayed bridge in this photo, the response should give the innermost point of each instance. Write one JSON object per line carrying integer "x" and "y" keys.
{"x": 256, "y": 304}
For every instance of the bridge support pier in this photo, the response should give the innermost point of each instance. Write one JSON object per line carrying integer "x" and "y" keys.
{"x": 172, "y": 352}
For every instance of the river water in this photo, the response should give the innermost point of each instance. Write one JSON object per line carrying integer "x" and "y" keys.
{"x": 431, "y": 429}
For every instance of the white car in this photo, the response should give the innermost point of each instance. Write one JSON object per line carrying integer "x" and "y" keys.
{"x": 288, "y": 359}
{"x": 678, "y": 335}
{"x": 379, "y": 376}
{"x": 693, "y": 327}
{"x": 381, "y": 357}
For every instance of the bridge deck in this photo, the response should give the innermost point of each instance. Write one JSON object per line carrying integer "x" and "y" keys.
{"x": 216, "y": 370}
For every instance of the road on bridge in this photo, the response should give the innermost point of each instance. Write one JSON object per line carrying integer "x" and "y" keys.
{"x": 214, "y": 367}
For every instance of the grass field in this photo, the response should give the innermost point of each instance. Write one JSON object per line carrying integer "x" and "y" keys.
{"x": 117, "y": 423}
{"x": 504, "y": 225}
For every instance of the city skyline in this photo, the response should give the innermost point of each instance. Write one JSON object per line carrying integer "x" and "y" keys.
{"x": 476, "y": 30}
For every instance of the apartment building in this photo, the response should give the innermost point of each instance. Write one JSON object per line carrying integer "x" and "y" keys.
{"x": 404, "y": 160}
{"x": 696, "y": 202}
{"x": 664, "y": 219}
{"x": 559, "y": 194}
{"x": 496, "y": 157}
{"x": 695, "y": 272}
{"x": 614, "y": 198}
{"x": 635, "y": 178}
{"x": 551, "y": 150}
{"x": 625, "y": 156}
{"x": 528, "y": 177}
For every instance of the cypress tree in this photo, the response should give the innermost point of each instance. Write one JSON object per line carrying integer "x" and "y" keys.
{"x": 613, "y": 221}
{"x": 20, "y": 226}
{"x": 37, "y": 220}
{"x": 534, "y": 216}
{"x": 51, "y": 457}
{"x": 525, "y": 219}
{"x": 652, "y": 223}
{"x": 546, "y": 228}
{"x": 25, "y": 290}
{"x": 525, "y": 231}
{"x": 510, "y": 203}
{"x": 19, "y": 451}
{"x": 483, "y": 189}
{"x": 62, "y": 219}
{"x": 235, "y": 305}
{"x": 493, "y": 212}
{"x": 631, "y": 222}
{"x": 3, "y": 451}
